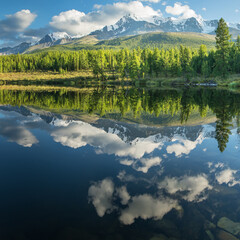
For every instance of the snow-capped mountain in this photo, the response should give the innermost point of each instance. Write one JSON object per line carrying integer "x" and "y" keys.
{"x": 124, "y": 140}
{"x": 55, "y": 38}
{"x": 48, "y": 40}
{"x": 128, "y": 25}
{"x": 132, "y": 25}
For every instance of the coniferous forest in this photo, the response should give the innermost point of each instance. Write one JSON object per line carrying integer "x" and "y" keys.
{"x": 138, "y": 63}
{"x": 138, "y": 105}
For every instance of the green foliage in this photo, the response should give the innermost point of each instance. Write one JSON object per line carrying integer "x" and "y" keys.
{"x": 223, "y": 47}
{"x": 148, "y": 40}
{"x": 137, "y": 63}
{"x": 138, "y": 105}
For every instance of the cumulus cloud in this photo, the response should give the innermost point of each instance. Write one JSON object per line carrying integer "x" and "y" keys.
{"x": 183, "y": 11}
{"x": 123, "y": 195}
{"x": 105, "y": 197}
{"x": 11, "y": 128}
{"x": 227, "y": 176}
{"x": 143, "y": 164}
{"x": 78, "y": 23}
{"x": 145, "y": 206}
{"x": 101, "y": 194}
{"x": 191, "y": 188}
{"x": 151, "y": 1}
{"x": 35, "y": 34}
{"x": 15, "y": 23}
{"x": 181, "y": 145}
{"x": 78, "y": 134}
{"x": 184, "y": 146}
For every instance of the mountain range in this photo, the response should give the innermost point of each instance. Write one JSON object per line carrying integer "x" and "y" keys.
{"x": 129, "y": 25}
{"x": 132, "y": 25}
{"x": 130, "y": 133}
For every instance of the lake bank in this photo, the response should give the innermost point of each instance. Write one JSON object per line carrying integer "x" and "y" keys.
{"x": 83, "y": 77}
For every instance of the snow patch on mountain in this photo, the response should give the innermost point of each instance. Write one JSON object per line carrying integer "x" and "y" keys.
{"x": 59, "y": 35}
{"x": 133, "y": 25}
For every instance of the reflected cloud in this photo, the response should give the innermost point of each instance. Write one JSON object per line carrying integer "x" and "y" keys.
{"x": 142, "y": 165}
{"x": 101, "y": 196}
{"x": 147, "y": 207}
{"x": 190, "y": 188}
{"x": 227, "y": 176}
{"x": 185, "y": 146}
{"x": 224, "y": 174}
{"x": 104, "y": 198}
{"x": 14, "y": 131}
{"x": 123, "y": 195}
{"x": 78, "y": 134}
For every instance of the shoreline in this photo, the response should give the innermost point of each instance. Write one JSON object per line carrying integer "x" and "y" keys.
{"x": 87, "y": 77}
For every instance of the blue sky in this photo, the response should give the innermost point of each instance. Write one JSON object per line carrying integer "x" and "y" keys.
{"x": 29, "y": 20}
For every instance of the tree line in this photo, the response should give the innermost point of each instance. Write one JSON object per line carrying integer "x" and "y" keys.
{"x": 139, "y": 105}
{"x": 138, "y": 63}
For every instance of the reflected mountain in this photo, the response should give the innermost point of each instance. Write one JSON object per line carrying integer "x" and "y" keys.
{"x": 121, "y": 169}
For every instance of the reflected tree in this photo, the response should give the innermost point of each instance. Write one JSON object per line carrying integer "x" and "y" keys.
{"x": 139, "y": 103}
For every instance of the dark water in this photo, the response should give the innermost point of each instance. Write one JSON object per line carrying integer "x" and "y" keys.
{"x": 120, "y": 164}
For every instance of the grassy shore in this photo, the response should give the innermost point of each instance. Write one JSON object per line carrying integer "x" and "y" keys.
{"x": 231, "y": 81}
{"x": 73, "y": 78}
{"x": 45, "y": 76}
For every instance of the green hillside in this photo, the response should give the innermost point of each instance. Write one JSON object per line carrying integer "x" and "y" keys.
{"x": 162, "y": 40}
{"x": 152, "y": 40}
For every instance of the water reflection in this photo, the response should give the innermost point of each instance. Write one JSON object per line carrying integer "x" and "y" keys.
{"x": 12, "y": 128}
{"x": 103, "y": 194}
{"x": 148, "y": 107}
{"x": 140, "y": 171}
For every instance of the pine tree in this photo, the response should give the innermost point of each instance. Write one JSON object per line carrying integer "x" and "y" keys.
{"x": 134, "y": 65}
{"x": 205, "y": 69}
{"x": 223, "y": 47}
{"x": 238, "y": 43}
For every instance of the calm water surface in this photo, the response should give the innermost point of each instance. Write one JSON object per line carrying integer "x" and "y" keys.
{"x": 120, "y": 164}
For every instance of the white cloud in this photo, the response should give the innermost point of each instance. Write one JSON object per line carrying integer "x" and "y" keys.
{"x": 183, "y": 11}
{"x": 16, "y": 23}
{"x": 143, "y": 164}
{"x": 11, "y": 128}
{"x": 123, "y": 195}
{"x": 184, "y": 146}
{"x": 191, "y": 188}
{"x": 78, "y": 23}
{"x": 204, "y": 9}
{"x": 181, "y": 145}
{"x": 101, "y": 195}
{"x": 227, "y": 176}
{"x": 151, "y": 1}
{"x": 146, "y": 207}
{"x": 78, "y": 134}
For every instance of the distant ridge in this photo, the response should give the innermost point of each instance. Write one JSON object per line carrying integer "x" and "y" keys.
{"x": 152, "y": 40}
{"x": 131, "y": 25}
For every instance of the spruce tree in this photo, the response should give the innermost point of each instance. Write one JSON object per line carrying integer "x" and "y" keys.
{"x": 223, "y": 47}
{"x": 238, "y": 43}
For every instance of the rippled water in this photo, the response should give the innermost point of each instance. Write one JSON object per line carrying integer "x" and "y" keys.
{"x": 120, "y": 164}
